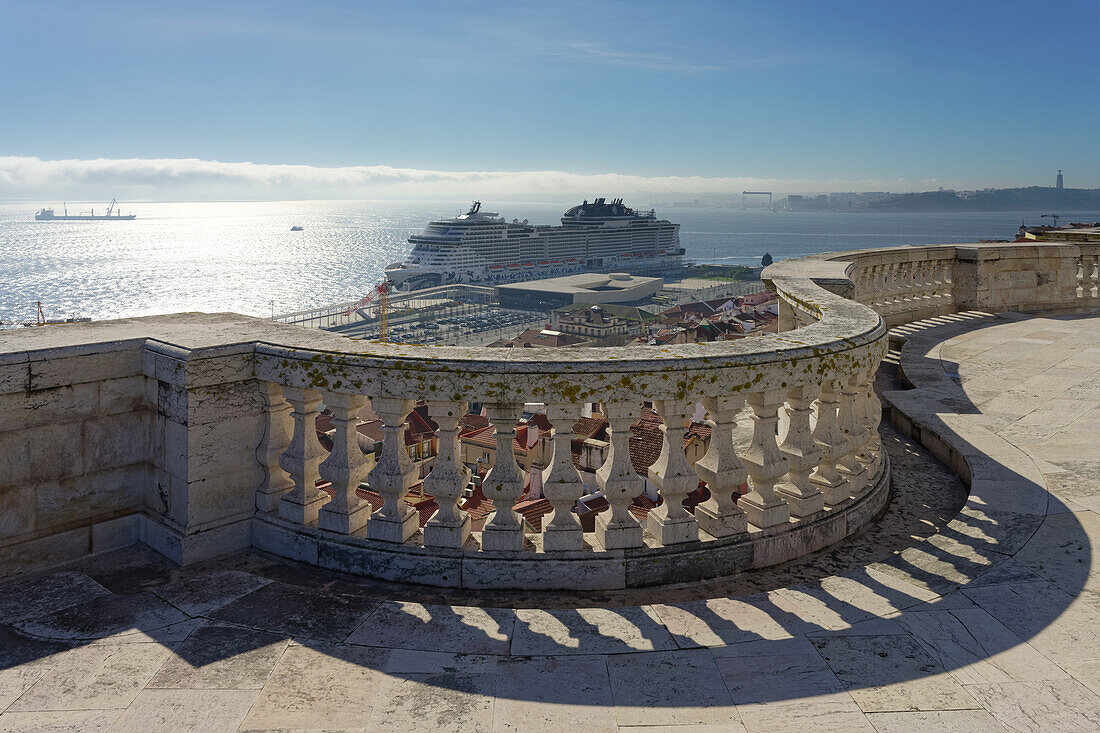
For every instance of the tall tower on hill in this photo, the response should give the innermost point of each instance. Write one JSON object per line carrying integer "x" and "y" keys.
{"x": 1058, "y": 185}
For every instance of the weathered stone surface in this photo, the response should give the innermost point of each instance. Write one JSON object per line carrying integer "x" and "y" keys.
{"x": 588, "y": 630}
{"x": 117, "y": 440}
{"x": 216, "y": 657}
{"x": 890, "y": 673}
{"x": 186, "y": 710}
{"x": 782, "y": 671}
{"x": 103, "y": 616}
{"x": 207, "y": 592}
{"x": 55, "y": 721}
{"x": 17, "y": 515}
{"x": 45, "y": 552}
{"x": 93, "y": 494}
{"x": 1029, "y": 609}
{"x": 30, "y": 598}
{"x": 43, "y": 453}
{"x": 437, "y": 628}
{"x": 936, "y": 721}
{"x": 98, "y": 677}
{"x": 976, "y": 648}
{"x": 1040, "y": 706}
{"x": 669, "y": 688}
{"x": 562, "y": 694}
{"x": 326, "y": 688}
{"x": 436, "y": 702}
{"x": 302, "y": 613}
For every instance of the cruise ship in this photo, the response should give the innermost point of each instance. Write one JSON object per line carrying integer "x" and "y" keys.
{"x": 480, "y": 247}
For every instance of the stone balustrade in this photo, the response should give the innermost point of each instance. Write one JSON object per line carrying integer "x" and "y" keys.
{"x": 217, "y": 449}
{"x": 820, "y": 376}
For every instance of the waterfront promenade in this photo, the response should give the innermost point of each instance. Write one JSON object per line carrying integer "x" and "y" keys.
{"x": 961, "y": 609}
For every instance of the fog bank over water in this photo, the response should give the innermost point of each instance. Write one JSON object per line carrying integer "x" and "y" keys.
{"x": 27, "y": 178}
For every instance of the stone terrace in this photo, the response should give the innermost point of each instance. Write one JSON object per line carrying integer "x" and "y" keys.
{"x": 989, "y": 620}
{"x": 970, "y": 603}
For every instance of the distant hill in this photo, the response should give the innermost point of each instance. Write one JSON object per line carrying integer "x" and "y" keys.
{"x": 1002, "y": 199}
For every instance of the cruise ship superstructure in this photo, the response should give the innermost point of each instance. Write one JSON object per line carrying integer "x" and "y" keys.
{"x": 480, "y": 247}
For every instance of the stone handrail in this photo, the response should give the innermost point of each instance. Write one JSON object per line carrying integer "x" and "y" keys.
{"x": 815, "y": 382}
{"x": 196, "y": 433}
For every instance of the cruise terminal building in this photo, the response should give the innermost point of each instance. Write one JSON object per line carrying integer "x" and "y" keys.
{"x": 587, "y": 287}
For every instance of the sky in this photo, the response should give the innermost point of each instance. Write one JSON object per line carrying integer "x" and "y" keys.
{"x": 324, "y": 99}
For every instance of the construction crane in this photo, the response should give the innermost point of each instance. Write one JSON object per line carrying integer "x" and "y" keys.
{"x": 1051, "y": 216}
{"x": 111, "y": 207}
{"x": 382, "y": 293}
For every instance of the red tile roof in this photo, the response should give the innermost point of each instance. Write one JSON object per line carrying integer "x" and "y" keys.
{"x": 533, "y": 510}
{"x": 470, "y": 423}
{"x": 591, "y": 427}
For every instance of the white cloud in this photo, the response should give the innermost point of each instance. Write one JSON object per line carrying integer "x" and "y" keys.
{"x": 24, "y": 177}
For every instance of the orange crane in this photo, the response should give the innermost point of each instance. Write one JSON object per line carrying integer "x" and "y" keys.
{"x": 382, "y": 292}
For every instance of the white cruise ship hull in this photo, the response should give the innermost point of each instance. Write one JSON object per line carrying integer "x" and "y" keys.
{"x": 480, "y": 248}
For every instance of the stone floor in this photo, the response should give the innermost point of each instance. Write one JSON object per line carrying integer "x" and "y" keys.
{"x": 956, "y": 612}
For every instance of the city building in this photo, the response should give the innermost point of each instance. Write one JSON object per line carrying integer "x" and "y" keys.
{"x": 588, "y": 287}
{"x": 601, "y": 323}
{"x": 545, "y": 338}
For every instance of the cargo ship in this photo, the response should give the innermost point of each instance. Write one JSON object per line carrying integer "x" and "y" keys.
{"x": 480, "y": 247}
{"x": 113, "y": 214}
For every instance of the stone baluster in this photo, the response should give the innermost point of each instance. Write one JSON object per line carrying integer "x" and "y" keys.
{"x": 871, "y": 414}
{"x": 905, "y": 278}
{"x": 1081, "y": 261}
{"x": 393, "y": 474}
{"x": 765, "y": 464}
{"x": 504, "y": 482}
{"x": 720, "y": 516}
{"x": 833, "y": 444}
{"x": 277, "y": 482}
{"x": 561, "y": 485}
{"x": 450, "y": 526}
{"x": 890, "y": 302}
{"x": 345, "y": 467}
{"x": 871, "y": 286}
{"x": 803, "y": 455}
{"x": 1094, "y": 277}
{"x": 616, "y": 528}
{"x": 937, "y": 282}
{"x": 302, "y": 457}
{"x": 851, "y": 423}
{"x": 948, "y": 281}
{"x": 670, "y": 522}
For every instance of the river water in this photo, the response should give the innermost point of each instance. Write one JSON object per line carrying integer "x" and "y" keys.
{"x": 242, "y": 256}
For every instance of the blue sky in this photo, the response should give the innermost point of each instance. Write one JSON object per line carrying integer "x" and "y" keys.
{"x": 795, "y": 95}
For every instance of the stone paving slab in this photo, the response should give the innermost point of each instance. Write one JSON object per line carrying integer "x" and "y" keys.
{"x": 954, "y": 612}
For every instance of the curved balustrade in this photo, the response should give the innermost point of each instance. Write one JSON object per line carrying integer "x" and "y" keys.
{"x": 804, "y": 397}
{"x": 197, "y": 433}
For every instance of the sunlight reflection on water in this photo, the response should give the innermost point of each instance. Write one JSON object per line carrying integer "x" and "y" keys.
{"x": 242, "y": 256}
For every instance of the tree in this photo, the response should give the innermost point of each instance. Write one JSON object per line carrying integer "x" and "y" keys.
{"x": 766, "y": 260}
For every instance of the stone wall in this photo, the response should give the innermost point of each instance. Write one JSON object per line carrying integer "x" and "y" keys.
{"x": 140, "y": 429}
{"x": 75, "y": 445}
{"x": 175, "y": 430}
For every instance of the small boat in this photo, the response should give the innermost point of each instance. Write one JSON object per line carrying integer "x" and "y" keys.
{"x": 295, "y": 228}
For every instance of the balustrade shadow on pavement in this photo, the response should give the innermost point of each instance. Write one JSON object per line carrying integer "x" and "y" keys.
{"x": 887, "y": 607}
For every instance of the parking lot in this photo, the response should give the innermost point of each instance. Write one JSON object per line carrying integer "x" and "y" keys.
{"x": 483, "y": 325}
